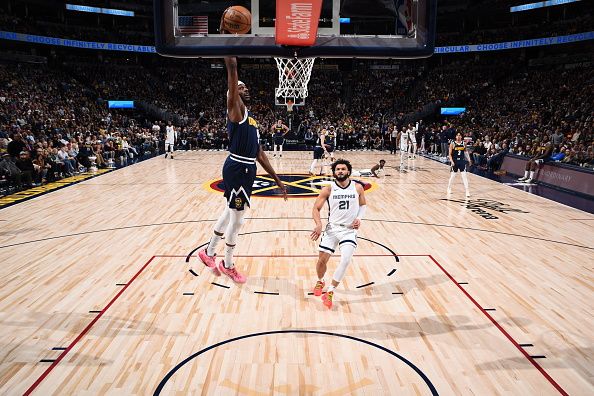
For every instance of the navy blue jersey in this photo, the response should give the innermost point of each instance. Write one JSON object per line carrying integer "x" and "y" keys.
{"x": 458, "y": 152}
{"x": 244, "y": 137}
{"x": 279, "y": 131}
{"x": 239, "y": 170}
{"x": 330, "y": 137}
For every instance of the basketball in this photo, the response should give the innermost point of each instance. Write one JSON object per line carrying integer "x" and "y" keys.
{"x": 237, "y": 19}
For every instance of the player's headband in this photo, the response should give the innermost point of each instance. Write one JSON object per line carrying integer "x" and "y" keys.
{"x": 239, "y": 82}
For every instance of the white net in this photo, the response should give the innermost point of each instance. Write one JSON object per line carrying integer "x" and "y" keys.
{"x": 293, "y": 77}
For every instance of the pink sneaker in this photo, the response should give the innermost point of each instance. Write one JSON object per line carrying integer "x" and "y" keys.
{"x": 232, "y": 273}
{"x": 209, "y": 261}
{"x": 327, "y": 299}
{"x": 317, "y": 291}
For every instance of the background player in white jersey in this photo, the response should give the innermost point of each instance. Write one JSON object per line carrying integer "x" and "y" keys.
{"x": 375, "y": 171}
{"x": 412, "y": 135}
{"x": 346, "y": 200}
{"x": 403, "y": 147}
{"x": 171, "y": 137}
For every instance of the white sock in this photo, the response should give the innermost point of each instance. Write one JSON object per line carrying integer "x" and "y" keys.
{"x": 532, "y": 174}
{"x": 330, "y": 289}
{"x": 452, "y": 176}
{"x": 212, "y": 244}
{"x": 235, "y": 222}
{"x": 313, "y": 165}
{"x": 229, "y": 256}
{"x": 219, "y": 228}
{"x": 465, "y": 180}
{"x": 526, "y": 174}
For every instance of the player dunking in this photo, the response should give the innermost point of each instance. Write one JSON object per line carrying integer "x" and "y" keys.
{"x": 458, "y": 161}
{"x": 346, "y": 200}
{"x": 279, "y": 130}
{"x": 239, "y": 173}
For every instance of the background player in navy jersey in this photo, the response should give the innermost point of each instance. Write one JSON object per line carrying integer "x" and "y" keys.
{"x": 543, "y": 154}
{"x": 239, "y": 173}
{"x": 458, "y": 160}
{"x": 279, "y": 130}
{"x": 319, "y": 152}
{"x": 330, "y": 142}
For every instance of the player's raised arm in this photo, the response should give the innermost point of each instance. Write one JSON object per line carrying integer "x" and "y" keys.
{"x": 235, "y": 107}
{"x": 318, "y": 205}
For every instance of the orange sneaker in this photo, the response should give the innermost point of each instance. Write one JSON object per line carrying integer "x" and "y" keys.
{"x": 209, "y": 261}
{"x": 232, "y": 273}
{"x": 327, "y": 299}
{"x": 317, "y": 291}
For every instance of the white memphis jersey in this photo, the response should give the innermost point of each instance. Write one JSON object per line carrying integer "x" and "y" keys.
{"x": 344, "y": 204}
{"x": 170, "y": 134}
{"x": 403, "y": 138}
{"x": 411, "y": 135}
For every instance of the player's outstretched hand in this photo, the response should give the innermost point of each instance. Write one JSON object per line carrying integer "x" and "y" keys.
{"x": 283, "y": 189}
{"x": 356, "y": 224}
{"x": 315, "y": 234}
{"x": 221, "y": 25}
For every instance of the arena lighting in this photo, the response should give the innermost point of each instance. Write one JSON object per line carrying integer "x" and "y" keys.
{"x": 452, "y": 110}
{"x": 539, "y": 4}
{"x": 120, "y": 104}
{"x": 97, "y": 10}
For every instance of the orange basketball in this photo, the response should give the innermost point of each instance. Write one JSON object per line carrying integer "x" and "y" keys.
{"x": 237, "y": 19}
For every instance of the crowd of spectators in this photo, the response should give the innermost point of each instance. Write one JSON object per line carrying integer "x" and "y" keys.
{"x": 52, "y": 123}
{"x": 524, "y": 112}
{"x": 52, "y": 119}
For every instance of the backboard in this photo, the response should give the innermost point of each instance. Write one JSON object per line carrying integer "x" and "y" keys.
{"x": 346, "y": 29}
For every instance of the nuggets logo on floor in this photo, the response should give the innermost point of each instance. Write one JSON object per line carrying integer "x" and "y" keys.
{"x": 298, "y": 186}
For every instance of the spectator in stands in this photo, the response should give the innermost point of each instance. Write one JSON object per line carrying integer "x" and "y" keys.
{"x": 496, "y": 160}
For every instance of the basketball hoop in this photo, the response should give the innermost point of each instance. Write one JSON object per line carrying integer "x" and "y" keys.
{"x": 293, "y": 77}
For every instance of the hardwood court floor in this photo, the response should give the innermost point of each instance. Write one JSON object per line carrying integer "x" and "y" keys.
{"x": 97, "y": 296}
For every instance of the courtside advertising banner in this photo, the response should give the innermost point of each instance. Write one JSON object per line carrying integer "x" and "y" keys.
{"x": 297, "y": 22}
